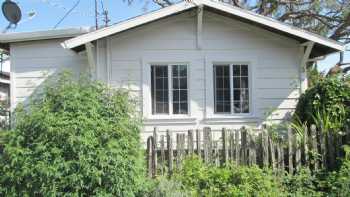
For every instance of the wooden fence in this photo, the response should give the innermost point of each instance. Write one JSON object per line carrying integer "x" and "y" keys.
{"x": 289, "y": 152}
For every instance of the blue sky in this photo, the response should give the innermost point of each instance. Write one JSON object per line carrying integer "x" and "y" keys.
{"x": 49, "y": 12}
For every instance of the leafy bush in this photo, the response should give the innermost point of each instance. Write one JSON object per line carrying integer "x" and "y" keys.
{"x": 198, "y": 179}
{"x": 325, "y": 102}
{"x": 203, "y": 180}
{"x": 79, "y": 138}
{"x": 164, "y": 187}
{"x": 303, "y": 183}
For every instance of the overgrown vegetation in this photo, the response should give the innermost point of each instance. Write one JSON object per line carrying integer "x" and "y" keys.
{"x": 79, "y": 138}
{"x": 326, "y": 104}
{"x": 198, "y": 179}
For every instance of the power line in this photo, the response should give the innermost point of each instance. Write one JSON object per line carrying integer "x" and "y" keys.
{"x": 69, "y": 11}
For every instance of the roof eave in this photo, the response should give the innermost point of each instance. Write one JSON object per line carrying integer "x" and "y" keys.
{"x": 287, "y": 30}
{"x": 135, "y": 22}
{"x": 42, "y": 35}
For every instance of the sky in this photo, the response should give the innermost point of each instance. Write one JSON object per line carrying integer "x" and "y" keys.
{"x": 49, "y": 12}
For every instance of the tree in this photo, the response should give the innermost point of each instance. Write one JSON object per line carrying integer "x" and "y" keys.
{"x": 79, "y": 138}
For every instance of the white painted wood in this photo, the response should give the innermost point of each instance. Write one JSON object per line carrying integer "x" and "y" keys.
{"x": 180, "y": 7}
{"x": 91, "y": 59}
{"x": 200, "y": 11}
{"x": 33, "y": 62}
{"x": 104, "y": 32}
{"x": 304, "y": 60}
{"x": 123, "y": 61}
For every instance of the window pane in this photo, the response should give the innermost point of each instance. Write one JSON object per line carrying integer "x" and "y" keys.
{"x": 183, "y": 108}
{"x": 241, "y": 88}
{"x": 222, "y": 95}
{"x": 183, "y": 95}
{"x": 244, "y": 70}
{"x": 183, "y": 83}
{"x": 236, "y": 70}
{"x": 237, "y": 107}
{"x": 245, "y": 107}
{"x": 159, "y": 89}
{"x": 237, "y": 95}
{"x": 180, "y": 97}
{"x": 236, "y": 82}
{"x": 245, "y": 82}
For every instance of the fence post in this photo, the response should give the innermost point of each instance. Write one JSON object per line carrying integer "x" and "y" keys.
{"x": 170, "y": 151}
{"x": 232, "y": 145}
{"x": 252, "y": 150}
{"x": 314, "y": 146}
{"x": 180, "y": 143}
{"x": 149, "y": 156}
{"x": 216, "y": 155}
{"x": 237, "y": 147}
{"x": 162, "y": 153}
{"x": 155, "y": 151}
{"x": 281, "y": 157}
{"x": 225, "y": 145}
{"x": 198, "y": 139}
{"x": 272, "y": 153}
{"x": 305, "y": 147}
{"x": 290, "y": 150}
{"x": 207, "y": 144}
{"x": 264, "y": 149}
{"x": 244, "y": 146}
{"x": 190, "y": 144}
{"x": 323, "y": 150}
{"x": 297, "y": 142}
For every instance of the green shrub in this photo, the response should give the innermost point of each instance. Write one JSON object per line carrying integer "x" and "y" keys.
{"x": 79, "y": 138}
{"x": 164, "y": 187}
{"x": 303, "y": 183}
{"x": 326, "y": 103}
{"x": 203, "y": 180}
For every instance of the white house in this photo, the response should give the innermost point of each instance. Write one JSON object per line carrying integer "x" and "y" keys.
{"x": 191, "y": 64}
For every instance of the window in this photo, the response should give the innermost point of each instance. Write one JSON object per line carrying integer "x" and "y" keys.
{"x": 164, "y": 99}
{"x": 231, "y": 88}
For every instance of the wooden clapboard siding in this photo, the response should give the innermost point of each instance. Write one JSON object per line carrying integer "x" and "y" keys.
{"x": 33, "y": 62}
{"x": 275, "y": 75}
{"x": 123, "y": 58}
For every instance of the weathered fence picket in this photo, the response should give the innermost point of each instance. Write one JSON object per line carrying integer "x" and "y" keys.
{"x": 313, "y": 148}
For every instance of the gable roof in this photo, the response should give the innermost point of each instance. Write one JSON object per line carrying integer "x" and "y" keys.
{"x": 323, "y": 45}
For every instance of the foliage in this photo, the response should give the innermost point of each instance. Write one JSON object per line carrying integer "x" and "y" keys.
{"x": 304, "y": 183}
{"x": 204, "y": 180}
{"x": 313, "y": 75}
{"x": 164, "y": 187}
{"x": 195, "y": 178}
{"x": 325, "y": 104}
{"x": 338, "y": 183}
{"x": 79, "y": 138}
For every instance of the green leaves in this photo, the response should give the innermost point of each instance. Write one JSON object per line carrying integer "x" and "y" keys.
{"x": 78, "y": 138}
{"x": 325, "y": 104}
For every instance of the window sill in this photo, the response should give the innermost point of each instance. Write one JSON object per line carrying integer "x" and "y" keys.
{"x": 170, "y": 120}
{"x": 231, "y": 119}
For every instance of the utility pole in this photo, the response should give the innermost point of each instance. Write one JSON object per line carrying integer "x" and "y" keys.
{"x": 106, "y": 19}
{"x": 96, "y": 15}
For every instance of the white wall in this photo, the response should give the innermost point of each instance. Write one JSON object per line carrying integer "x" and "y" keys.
{"x": 274, "y": 62}
{"x": 123, "y": 61}
{"x": 33, "y": 62}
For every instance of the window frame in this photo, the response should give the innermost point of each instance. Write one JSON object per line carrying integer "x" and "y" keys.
{"x": 231, "y": 114}
{"x": 170, "y": 91}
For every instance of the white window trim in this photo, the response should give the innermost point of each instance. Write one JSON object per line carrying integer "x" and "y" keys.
{"x": 229, "y": 59}
{"x": 147, "y": 96}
